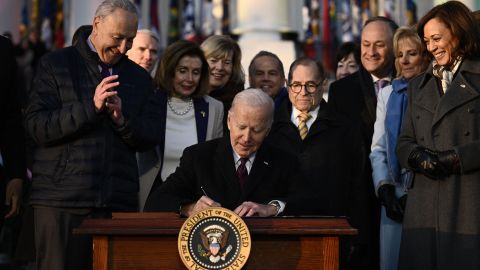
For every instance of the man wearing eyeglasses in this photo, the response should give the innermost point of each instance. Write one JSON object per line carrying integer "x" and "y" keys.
{"x": 329, "y": 151}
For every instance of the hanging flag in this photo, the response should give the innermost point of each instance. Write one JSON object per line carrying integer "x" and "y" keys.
{"x": 309, "y": 45}
{"x": 366, "y": 12}
{"x": 208, "y": 20}
{"x": 345, "y": 21}
{"x": 154, "y": 22}
{"x": 389, "y": 8}
{"x": 226, "y": 17}
{"x": 59, "y": 37}
{"x": 411, "y": 13}
{"x": 188, "y": 31}
{"x": 25, "y": 21}
{"x": 173, "y": 34}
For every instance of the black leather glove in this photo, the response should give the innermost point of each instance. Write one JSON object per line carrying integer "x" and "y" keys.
{"x": 393, "y": 206}
{"x": 426, "y": 161}
{"x": 450, "y": 161}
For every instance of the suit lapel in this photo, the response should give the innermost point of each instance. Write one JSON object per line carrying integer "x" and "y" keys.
{"x": 428, "y": 96}
{"x": 319, "y": 125}
{"x": 260, "y": 168}
{"x": 163, "y": 117}
{"x": 201, "y": 118}
{"x": 226, "y": 165}
{"x": 460, "y": 92}
{"x": 370, "y": 99}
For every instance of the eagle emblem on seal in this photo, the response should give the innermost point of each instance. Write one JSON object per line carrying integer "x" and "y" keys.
{"x": 214, "y": 241}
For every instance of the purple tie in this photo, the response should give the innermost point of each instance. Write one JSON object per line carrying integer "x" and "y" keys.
{"x": 380, "y": 84}
{"x": 105, "y": 70}
{"x": 242, "y": 173}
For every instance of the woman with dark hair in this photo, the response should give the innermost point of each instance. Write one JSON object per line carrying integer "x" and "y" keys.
{"x": 190, "y": 115}
{"x": 389, "y": 179}
{"x": 348, "y": 60}
{"x": 440, "y": 143}
{"x": 226, "y": 77}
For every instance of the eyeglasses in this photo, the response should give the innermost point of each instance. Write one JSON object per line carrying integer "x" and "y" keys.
{"x": 310, "y": 87}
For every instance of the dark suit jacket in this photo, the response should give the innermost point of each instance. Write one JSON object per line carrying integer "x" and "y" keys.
{"x": 12, "y": 145}
{"x": 211, "y": 165}
{"x": 332, "y": 161}
{"x": 354, "y": 97}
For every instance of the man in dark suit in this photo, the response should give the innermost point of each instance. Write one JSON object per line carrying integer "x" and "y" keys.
{"x": 210, "y": 174}
{"x": 330, "y": 153}
{"x": 12, "y": 145}
{"x": 355, "y": 96}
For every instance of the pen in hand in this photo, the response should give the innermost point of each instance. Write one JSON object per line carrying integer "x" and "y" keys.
{"x": 203, "y": 190}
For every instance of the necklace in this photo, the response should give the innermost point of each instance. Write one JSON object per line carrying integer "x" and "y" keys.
{"x": 189, "y": 107}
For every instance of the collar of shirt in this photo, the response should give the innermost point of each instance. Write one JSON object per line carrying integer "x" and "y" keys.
{"x": 90, "y": 44}
{"x": 375, "y": 78}
{"x": 310, "y": 121}
{"x": 249, "y": 162}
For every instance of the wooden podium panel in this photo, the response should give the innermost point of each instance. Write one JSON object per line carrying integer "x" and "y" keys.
{"x": 144, "y": 241}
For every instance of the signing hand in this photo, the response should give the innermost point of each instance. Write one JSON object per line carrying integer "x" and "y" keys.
{"x": 203, "y": 203}
{"x": 14, "y": 196}
{"x": 105, "y": 90}
{"x": 248, "y": 209}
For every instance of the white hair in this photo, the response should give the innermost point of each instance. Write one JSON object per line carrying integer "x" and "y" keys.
{"x": 107, "y": 7}
{"x": 255, "y": 98}
{"x": 149, "y": 32}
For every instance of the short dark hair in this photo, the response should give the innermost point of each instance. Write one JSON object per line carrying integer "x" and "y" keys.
{"x": 251, "y": 67}
{"x": 461, "y": 23}
{"x": 305, "y": 61}
{"x": 392, "y": 24}
{"x": 167, "y": 67}
{"x": 345, "y": 50}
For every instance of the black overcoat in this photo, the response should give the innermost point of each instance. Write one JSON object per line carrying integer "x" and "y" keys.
{"x": 441, "y": 229}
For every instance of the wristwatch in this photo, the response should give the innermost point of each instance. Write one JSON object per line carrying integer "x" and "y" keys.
{"x": 277, "y": 206}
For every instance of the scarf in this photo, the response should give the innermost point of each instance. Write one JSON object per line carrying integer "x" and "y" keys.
{"x": 445, "y": 73}
{"x": 396, "y": 106}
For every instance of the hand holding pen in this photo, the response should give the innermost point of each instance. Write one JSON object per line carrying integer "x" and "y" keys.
{"x": 203, "y": 203}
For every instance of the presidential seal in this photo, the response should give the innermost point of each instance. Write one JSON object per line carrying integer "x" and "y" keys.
{"x": 215, "y": 238}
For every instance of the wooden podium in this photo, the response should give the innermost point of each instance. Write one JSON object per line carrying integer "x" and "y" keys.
{"x": 143, "y": 241}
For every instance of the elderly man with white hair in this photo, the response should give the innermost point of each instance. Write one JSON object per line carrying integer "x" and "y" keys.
{"x": 238, "y": 172}
{"x": 144, "y": 49}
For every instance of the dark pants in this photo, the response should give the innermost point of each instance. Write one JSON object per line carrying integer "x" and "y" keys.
{"x": 57, "y": 248}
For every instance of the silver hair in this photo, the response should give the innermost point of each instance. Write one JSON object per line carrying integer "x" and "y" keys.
{"x": 255, "y": 98}
{"x": 107, "y": 7}
{"x": 153, "y": 34}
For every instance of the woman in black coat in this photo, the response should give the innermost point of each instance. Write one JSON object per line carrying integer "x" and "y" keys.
{"x": 440, "y": 142}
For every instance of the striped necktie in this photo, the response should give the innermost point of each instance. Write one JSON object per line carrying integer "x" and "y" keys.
{"x": 302, "y": 124}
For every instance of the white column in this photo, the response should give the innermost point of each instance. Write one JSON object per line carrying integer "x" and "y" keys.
{"x": 263, "y": 19}
{"x": 80, "y": 13}
{"x": 145, "y": 15}
{"x": 260, "y": 24}
{"x": 10, "y": 12}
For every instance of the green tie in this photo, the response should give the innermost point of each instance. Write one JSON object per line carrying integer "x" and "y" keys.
{"x": 302, "y": 124}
